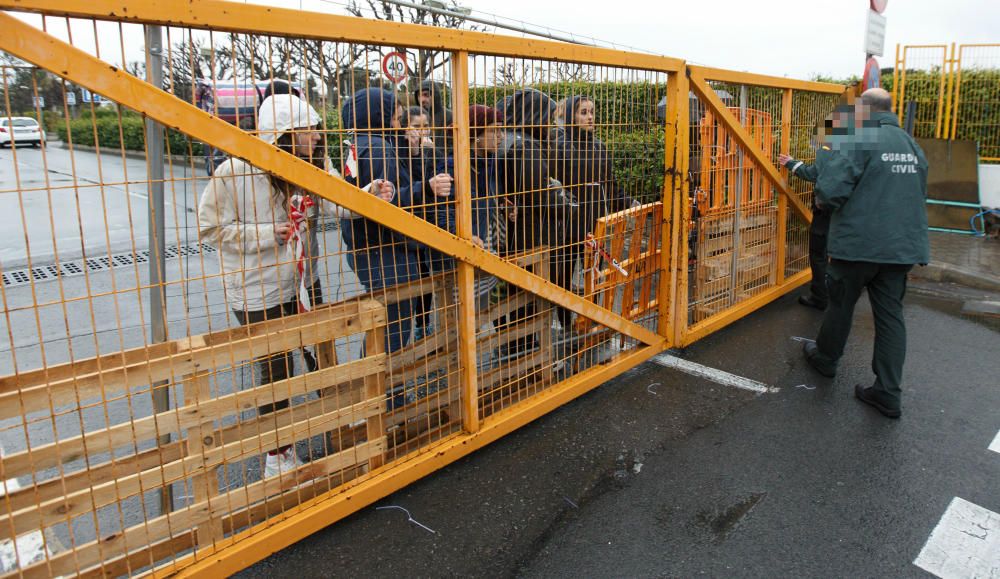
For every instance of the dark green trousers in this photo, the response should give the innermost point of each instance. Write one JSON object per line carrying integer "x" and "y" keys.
{"x": 886, "y": 284}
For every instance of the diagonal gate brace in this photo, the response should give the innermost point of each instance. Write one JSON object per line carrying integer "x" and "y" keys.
{"x": 700, "y": 86}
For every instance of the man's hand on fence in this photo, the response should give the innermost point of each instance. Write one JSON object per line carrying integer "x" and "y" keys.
{"x": 384, "y": 190}
{"x": 441, "y": 184}
{"x": 783, "y": 159}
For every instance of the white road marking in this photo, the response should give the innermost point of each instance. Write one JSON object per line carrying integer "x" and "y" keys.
{"x": 995, "y": 446}
{"x": 713, "y": 374}
{"x": 965, "y": 543}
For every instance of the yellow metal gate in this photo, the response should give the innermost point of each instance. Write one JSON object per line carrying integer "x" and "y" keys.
{"x": 339, "y": 320}
{"x": 954, "y": 91}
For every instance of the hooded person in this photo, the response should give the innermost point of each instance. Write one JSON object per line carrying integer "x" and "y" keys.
{"x": 431, "y": 96}
{"x": 582, "y": 164}
{"x": 533, "y": 202}
{"x": 379, "y": 256}
{"x": 247, "y": 214}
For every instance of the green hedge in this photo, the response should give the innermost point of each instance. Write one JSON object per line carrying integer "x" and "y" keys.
{"x": 627, "y": 123}
{"x": 978, "y": 105}
{"x": 108, "y": 132}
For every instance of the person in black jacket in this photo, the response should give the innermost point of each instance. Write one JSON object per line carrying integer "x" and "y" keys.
{"x": 583, "y": 166}
{"x": 533, "y": 202}
{"x": 425, "y": 164}
{"x": 529, "y": 200}
{"x": 379, "y": 256}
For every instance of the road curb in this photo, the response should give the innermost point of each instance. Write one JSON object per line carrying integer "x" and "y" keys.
{"x": 946, "y": 272}
{"x": 138, "y": 155}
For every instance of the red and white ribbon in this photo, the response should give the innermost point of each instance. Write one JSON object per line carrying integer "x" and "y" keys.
{"x": 300, "y": 205}
{"x": 599, "y": 252}
{"x": 351, "y": 160}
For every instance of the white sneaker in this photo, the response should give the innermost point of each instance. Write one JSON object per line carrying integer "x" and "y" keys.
{"x": 281, "y": 462}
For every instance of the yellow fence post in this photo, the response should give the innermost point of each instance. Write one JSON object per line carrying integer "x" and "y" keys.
{"x": 680, "y": 104}
{"x": 941, "y": 85}
{"x": 901, "y": 107}
{"x": 463, "y": 222}
{"x": 958, "y": 92}
{"x": 669, "y": 218}
{"x": 895, "y": 88}
{"x": 947, "y": 93}
{"x": 786, "y": 140}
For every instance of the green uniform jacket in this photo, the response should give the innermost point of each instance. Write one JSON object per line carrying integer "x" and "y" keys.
{"x": 809, "y": 172}
{"x": 876, "y": 187}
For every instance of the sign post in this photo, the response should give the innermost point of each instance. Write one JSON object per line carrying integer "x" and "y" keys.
{"x": 874, "y": 43}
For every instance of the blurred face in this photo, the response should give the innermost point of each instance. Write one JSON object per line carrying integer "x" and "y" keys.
{"x": 585, "y": 115}
{"x": 840, "y": 119}
{"x": 417, "y": 130}
{"x": 488, "y": 141}
{"x": 426, "y": 99}
{"x": 862, "y": 113}
{"x": 305, "y": 142}
{"x": 397, "y": 118}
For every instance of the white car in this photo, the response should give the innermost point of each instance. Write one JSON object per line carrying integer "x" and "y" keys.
{"x": 20, "y": 130}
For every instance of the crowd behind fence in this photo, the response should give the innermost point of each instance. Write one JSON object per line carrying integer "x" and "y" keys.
{"x": 361, "y": 276}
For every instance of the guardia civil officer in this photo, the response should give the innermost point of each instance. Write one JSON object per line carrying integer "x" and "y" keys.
{"x": 829, "y": 136}
{"x": 875, "y": 189}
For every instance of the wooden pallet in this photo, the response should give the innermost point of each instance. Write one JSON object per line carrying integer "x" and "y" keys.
{"x": 209, "y": 432}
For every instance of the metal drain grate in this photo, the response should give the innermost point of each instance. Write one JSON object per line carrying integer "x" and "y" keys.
{"x": 94, "y": 264}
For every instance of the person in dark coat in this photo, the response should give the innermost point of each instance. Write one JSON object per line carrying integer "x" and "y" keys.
{"x": 533, "y": 202}
{"x": 834, "y": 129}
{"x": 431, "y": 96}
{"x": 876, "y": 188}
{"x": 429, "y": 165}
{"x": 583, "y": 166}
{"x": 532, "y": 205}
{"x": 379, "y": 256}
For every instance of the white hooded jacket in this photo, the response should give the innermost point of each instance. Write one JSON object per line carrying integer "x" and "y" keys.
{"x": 238, "y": 213}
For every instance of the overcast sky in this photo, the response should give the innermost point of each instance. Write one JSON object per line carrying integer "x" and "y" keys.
{"x": 795, "y": 38}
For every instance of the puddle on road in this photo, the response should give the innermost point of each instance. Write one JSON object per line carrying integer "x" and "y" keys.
{"x": 963, "y": 304}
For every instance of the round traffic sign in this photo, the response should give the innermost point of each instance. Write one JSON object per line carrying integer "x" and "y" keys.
{"x": 873, "y": 74}
{"x": 879, "y": 5}
{"x": 394, "y": 66}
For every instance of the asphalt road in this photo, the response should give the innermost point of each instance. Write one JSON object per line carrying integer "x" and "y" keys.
{"x": 659, "y": 474}
{"x": 71, "y": 202}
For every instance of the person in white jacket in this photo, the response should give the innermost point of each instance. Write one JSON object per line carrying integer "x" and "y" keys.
{"x": 251, "y": 216}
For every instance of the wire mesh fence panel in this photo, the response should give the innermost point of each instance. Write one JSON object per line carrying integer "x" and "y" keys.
{"x": 747, "y": 235}
{"x": 976, "y": 100}
{"x": 923, "y": 87}
{"x": 298, "y": 335}
{"x": 570, "y": 145}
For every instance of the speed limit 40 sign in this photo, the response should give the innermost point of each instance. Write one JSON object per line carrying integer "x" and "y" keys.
{"x": 394, "y": 67}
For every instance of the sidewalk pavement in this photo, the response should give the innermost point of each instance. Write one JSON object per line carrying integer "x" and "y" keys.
{"x": 963, "y": 259}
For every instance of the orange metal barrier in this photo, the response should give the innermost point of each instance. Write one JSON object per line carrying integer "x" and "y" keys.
{"x": 326, "y": 320}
